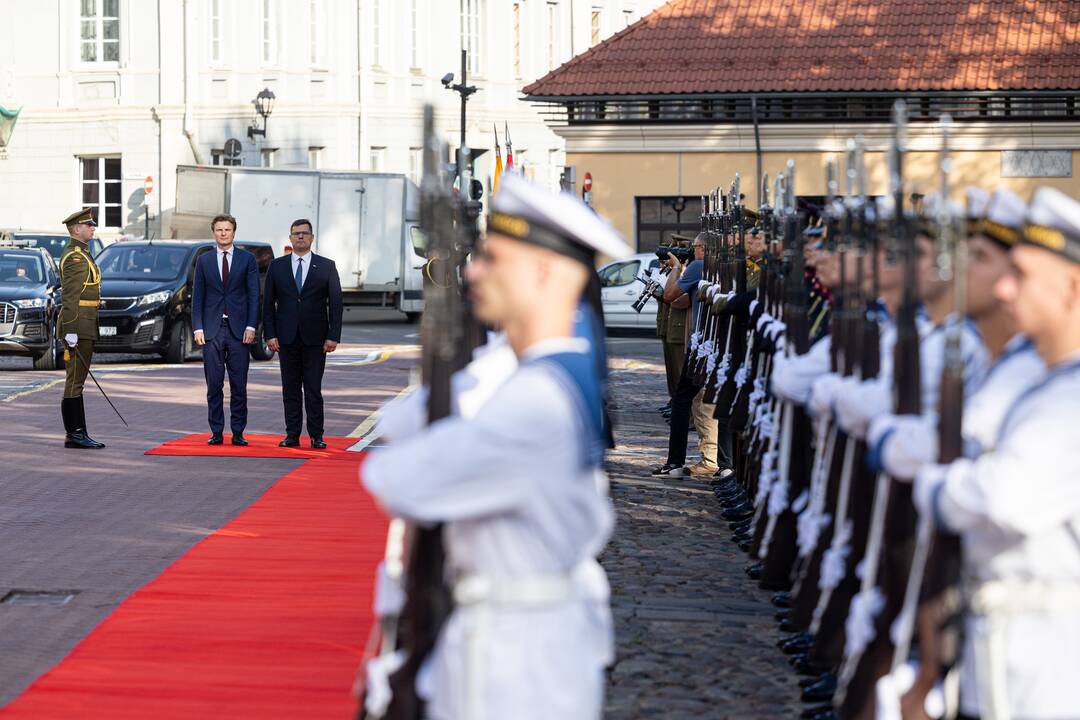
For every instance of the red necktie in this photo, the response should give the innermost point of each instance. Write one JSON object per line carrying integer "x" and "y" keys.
{"x": 225, "y": 269}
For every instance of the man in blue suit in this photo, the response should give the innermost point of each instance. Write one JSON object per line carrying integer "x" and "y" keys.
{"x": 225, "y": 313}
{"x": 302, "y": 322}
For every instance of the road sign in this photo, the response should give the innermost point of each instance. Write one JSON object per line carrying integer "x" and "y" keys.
{"x": 587, "y": 184}
{"x": 148, "y": 184}
{"x": 588, "y": 197}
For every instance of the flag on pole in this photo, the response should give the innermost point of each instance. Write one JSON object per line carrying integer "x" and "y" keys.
{"x": 509, "y": 150}
{"x": 498, "y": 162}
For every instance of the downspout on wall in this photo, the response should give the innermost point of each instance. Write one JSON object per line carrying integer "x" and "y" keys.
{"x": 189, "y": 133}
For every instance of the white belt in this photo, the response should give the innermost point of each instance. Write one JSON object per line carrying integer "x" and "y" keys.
{"x": 528, "y": 591}
{"x": 1013, "y": 597}
{"x": 996, "y": 601}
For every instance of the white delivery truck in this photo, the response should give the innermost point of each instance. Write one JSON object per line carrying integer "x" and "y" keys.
{"x": 365, "y": 222}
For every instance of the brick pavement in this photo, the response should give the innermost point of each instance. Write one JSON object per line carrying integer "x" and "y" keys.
{"x": 694, "y": 636}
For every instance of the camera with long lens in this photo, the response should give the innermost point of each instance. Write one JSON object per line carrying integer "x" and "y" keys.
{"x": 683, "y": 254}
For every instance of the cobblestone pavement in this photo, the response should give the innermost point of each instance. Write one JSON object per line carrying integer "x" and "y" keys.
{"x": 694, "y": 636}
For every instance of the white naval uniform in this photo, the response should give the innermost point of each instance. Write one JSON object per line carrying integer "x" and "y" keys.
{"x": 519, "y": 508}
{"x": 1017, "y": 508}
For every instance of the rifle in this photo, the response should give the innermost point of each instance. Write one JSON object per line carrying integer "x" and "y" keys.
{"x": 937, "y": 561}
{"x": 779, "y": 544}
{"x": 893, "y": 504}
{"x": 444, "y": 329}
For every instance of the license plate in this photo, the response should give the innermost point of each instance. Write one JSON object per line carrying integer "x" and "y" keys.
{"x": 106, "y": 331}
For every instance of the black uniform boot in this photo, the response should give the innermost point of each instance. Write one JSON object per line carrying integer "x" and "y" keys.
{"x": 67, "y": 412}
{"x": 81, "y": 438}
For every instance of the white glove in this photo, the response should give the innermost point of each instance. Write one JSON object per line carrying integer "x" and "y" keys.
{"x": 71, "y": 339}
{"x": 910, "y": 443}
{"x": 822, "y": 392}
{"x": 857, "y": 403}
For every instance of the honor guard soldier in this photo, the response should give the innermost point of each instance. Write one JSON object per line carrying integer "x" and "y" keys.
{"x": 1016, "y": 506}
{"x": 517, "y": 481}
{"x": 77, "y": 325}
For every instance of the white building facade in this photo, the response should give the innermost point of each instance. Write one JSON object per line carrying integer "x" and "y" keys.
{"x": 115, "y": 91}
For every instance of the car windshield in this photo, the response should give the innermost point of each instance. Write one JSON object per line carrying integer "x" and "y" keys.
{"x": 142, "y": 262}
{"x": 55, "y": 244}
{"x": 23, "y": 268}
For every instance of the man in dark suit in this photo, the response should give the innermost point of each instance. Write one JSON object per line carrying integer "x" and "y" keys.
{"x": 302, "y": 322}
{"x": 225, "y": 313}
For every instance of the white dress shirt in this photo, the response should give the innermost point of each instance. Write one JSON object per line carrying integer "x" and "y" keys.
{"x": 306, "y": 266}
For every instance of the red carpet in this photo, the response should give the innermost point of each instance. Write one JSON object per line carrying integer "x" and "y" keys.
{"x": 260, "y": 446}
{"x": 265, "y": 618}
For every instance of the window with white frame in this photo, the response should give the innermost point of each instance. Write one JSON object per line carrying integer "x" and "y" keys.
{"x": 314, "y": 157}
{"x": 376, "y": 32}
{"x": 552, "y": 35}
{"x": 99, "y": 31}
{"x": 316, "y": 33}
{"x": 216, "y": 46}
{"x": 414, "y": 33}
{"x": 377, "y": 159}
{"x": 416, "y": 164}
{"x": 594, "y": 25}
{"x": 102, "y": 189}
{"x": 269, "y": 157}
{"x": 472, "y": 33}
{"x": 269, "y": 32}
{"x": 517, "y": 39}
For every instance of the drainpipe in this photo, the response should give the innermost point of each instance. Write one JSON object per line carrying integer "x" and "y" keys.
{"x": 757, "y": 143}
{"x": 189, "y": 133}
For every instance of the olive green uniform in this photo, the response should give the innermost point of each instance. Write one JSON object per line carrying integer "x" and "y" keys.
{"x": 80, "y": 281}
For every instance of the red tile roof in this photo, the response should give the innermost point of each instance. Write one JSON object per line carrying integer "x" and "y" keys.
{"x": 743, "y": 46}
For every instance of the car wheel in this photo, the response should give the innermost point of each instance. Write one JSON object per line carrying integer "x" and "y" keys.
{"x": 51, "y": 359}
{"x": 259, "y": 349}
{"x": 179, "y": 343}
{"x": 412, "y": 317}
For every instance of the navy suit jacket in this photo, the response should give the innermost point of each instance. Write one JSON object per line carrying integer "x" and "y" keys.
{"x": 314, "y": 312}
{"x": 240, "y": 301}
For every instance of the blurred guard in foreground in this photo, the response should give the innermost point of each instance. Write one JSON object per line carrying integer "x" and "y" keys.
{"x": 516, "y": 477}
{"x": 80, "y": 282}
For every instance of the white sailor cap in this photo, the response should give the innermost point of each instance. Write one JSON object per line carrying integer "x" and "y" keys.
{"x": 1053, "y": 222}
{"x": 558, "y": 222}
{"x": 977, "y": 202}
{"x": 1003, "y": 218}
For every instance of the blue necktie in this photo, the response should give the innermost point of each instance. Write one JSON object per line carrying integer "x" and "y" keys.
{"x": 299, "y": 275}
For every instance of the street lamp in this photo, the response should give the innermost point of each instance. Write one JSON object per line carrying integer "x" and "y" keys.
{"x": 464, "y": 91}
{"x": 264, "y": 105}
{"x": 678, "y": 205}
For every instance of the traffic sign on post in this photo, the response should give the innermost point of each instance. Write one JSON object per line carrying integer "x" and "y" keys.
{"x": 148, "y": 184}
{"x": 587, "y": 184}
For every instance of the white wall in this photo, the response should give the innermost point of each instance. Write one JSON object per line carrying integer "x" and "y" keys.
{"x": 347, "y": 103}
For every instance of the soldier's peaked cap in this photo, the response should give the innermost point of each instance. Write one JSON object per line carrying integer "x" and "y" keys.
{"x": 557, "y": 222}
{"x": 1053, "y": 223}
{"x": 85, "y": 215}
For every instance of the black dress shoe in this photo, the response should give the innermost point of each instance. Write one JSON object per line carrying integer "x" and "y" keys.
{"x": 318, "y": 444}
{"x": 781, "y": 600}
{"x": 803, "y": 665}
{"x": 754, "y": 571}
{"x": 820, "y": 692}
{"x": 238, "y": 439}
{"x": 808, "y": 681}
{"x": 798, "y": 645}
{"x": 788, "y": 626}
{"x": 215, "y": 439}
{"x": 744, "y": 545}
{"x": 739, "y": 512}
{"x": 289, "y": 441}
{"x": 81, "y": 441}
{"x": 782, "y": 615}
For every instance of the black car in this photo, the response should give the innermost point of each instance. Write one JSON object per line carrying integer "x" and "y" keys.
{"x": 146, "y": 292}
{"x": 29, "y": 304}
{"x": 53, "y": 242}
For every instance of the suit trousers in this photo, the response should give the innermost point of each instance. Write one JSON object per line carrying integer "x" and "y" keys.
{"x": 224, "y": 352}
{"x": 302, "y": 369}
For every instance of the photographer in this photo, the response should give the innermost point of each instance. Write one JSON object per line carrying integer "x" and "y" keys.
{"x": 671, "y": 329}
{"x": 681, "y": 282}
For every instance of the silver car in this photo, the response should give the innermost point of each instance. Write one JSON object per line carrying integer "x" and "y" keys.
{"x": 620, "y": 288}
